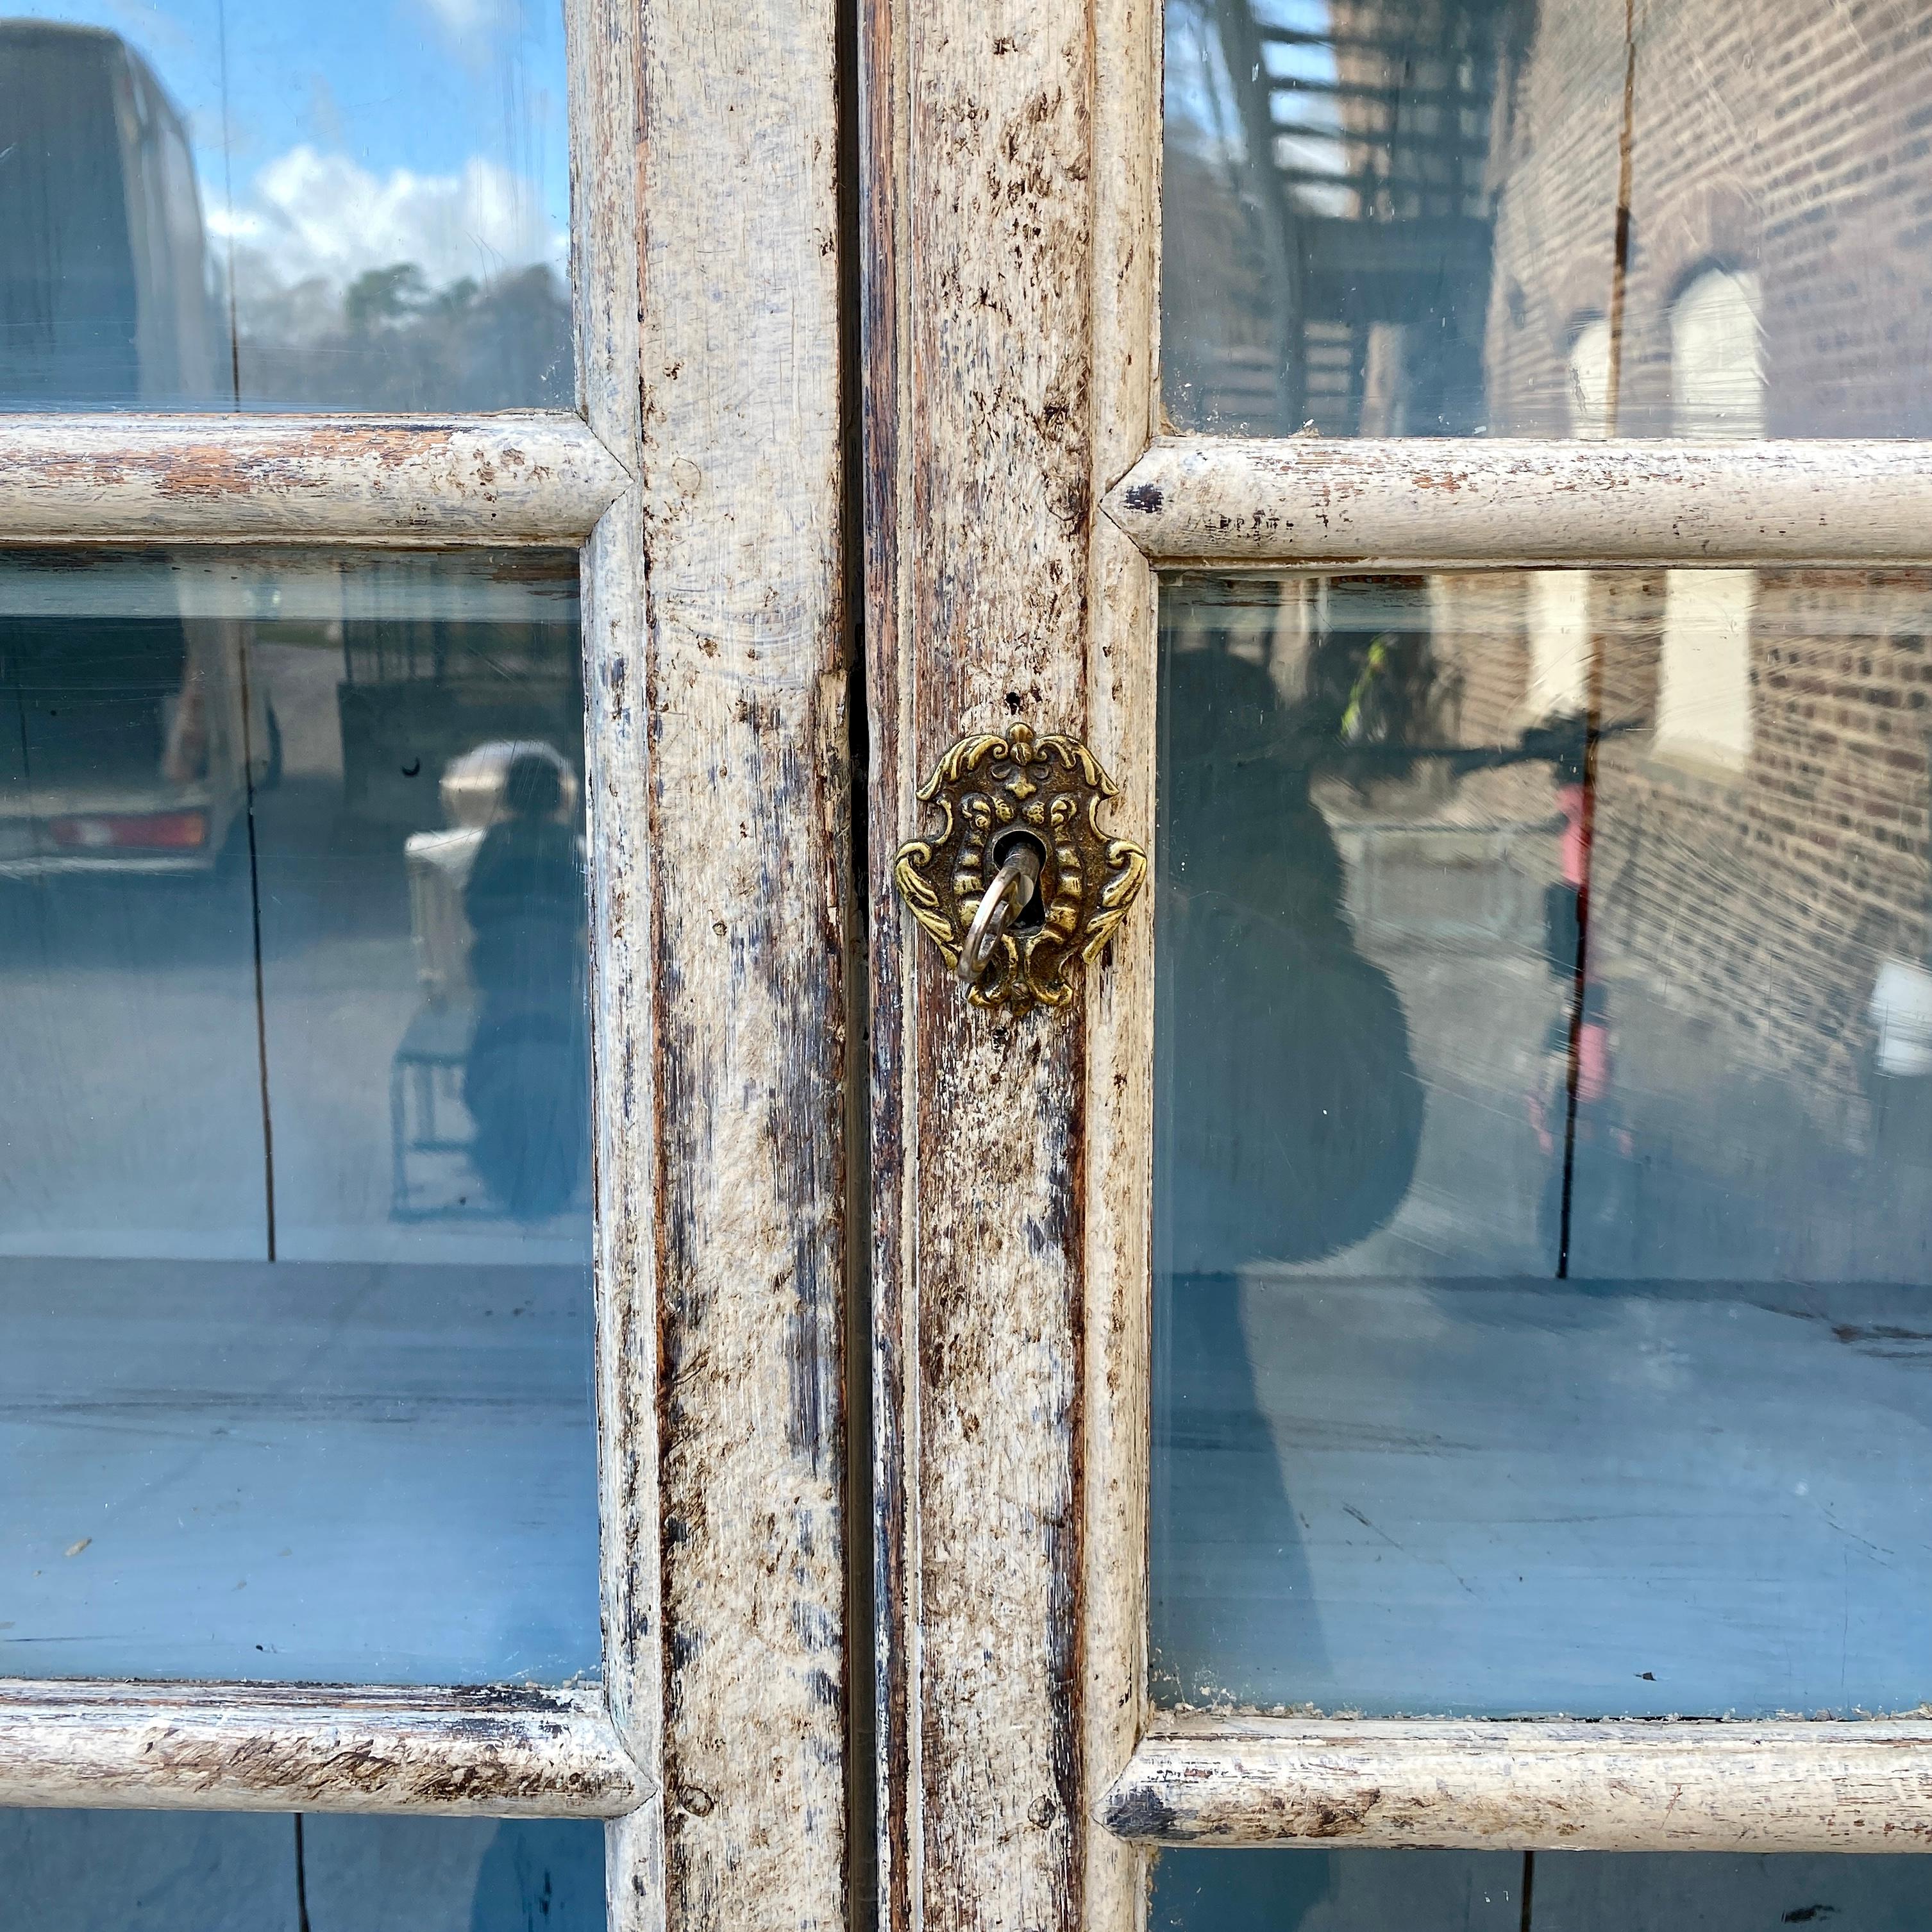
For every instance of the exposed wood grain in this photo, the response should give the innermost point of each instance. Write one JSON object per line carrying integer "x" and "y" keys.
{"x": 720, "y": 807}
{"x": 607, "y": 133}
{"x": 987, "y": 310}
{"x": 511, "y": 1753}
{"x": 1003, "y": 319}
{"x": 527, "y": 478}
{"x": 1443, "y": 504}
{"x": 1120, "y": 649}
{"x": 1660, "y": 1786}
{"x": 891, "y": 782}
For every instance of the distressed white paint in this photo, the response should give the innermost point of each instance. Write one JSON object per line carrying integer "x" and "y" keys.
{"x": 1118, "y": 1007}
{"x": 510, "y": 1753}
{"x": 1011, "y": 156}
{"x": 954, "y": 1849}
{"x": 606, "y": 129}
{"x": 1421, "y": 504}
{"x": 980, "y": 461}
{"x": 708, "y": 355}
{"x": 1661, "y": 1787}
{"x": 529, "y": 477}
{"x": 706, "y": 146}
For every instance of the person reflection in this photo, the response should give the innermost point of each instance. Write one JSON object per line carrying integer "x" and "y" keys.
{"x": 1293, "y": 1116}
{"x": 1297, "y": 1112}
{"x": 525, "y": 1079}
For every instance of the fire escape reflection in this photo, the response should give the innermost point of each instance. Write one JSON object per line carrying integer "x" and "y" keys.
{"x": 1356, "y": 138}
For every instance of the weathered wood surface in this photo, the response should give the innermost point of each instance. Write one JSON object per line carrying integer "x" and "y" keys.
{"x": 1417, "y": 502}
{"x": 1007, "y": 365}
{"x": 506, "y": 1752}
{"x": 1118, "y": 1099}
{"x": 529, "y": 477}
{"x": 1610, "y": 1786}
{"x": 606, "y": 130}
{"x": 705, "y": 165}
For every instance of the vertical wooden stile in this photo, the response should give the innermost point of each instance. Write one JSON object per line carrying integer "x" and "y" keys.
{"x": 1007, "y": 178}
{"x": 1121, "y": 685}
{"x": 707, "y": 229}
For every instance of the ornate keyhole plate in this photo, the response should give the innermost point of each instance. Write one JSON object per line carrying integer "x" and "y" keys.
{"x": 988, "y": 790}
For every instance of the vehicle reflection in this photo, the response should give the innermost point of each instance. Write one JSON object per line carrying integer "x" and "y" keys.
{"x": 113, "y": 293}
{"x": 257, "y": 816}
{"x": 270, "y": 1318}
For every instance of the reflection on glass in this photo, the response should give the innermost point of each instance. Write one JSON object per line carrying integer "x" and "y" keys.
{"x": 1402, "y": 219}
{"x": 1544, "y": 1148}
{"x": 190, "y": 1871}
{"x": 1352, "y": 1891}
{"x": 1297, "y": 1890}
{"x": 356, "y": 206}
{"x": 294, "y": 1208}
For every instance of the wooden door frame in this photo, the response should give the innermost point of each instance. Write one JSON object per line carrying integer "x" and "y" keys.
{"x": 1010, "y": 173}
{"x": 1018, "y": 499}
{"x": 703, "y": 476}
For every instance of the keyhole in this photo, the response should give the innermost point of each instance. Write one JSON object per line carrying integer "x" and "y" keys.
{"x": 1032, "y": 915}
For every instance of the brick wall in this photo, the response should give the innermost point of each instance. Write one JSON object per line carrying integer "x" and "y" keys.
{"x": 1784, "y": 136}
{"x": 1757, "y": 902}
{"x": 1763, "y": 900}
{"x": 1793, "y": 140}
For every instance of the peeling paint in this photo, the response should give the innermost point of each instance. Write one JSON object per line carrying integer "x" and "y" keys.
{"x": 1416, "y": 504}
{"x": 506, "y": 1752}
{"x": 1656, "y": 1786}
{"x": 523, "y": 478}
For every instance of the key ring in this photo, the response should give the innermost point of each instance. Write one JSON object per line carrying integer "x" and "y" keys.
{"x": 1011, "y": 891}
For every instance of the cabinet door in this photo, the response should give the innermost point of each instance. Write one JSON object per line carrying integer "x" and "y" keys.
{"x": 424, "y": 901}
{"x": 1436, "y": 1299}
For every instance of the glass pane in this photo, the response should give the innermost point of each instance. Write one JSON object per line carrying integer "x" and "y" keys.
{"x": 1544, "y": 1143}
{"x": 357, "y": 205}
{"x": 295, "y": 1210}
{"x": 1296, "y": 1891}
{"x": 176, "y": 1871}
{"x": 1402, "y": 217}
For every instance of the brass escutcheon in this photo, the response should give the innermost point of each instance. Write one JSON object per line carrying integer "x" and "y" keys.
{"x": 996, "y": 791}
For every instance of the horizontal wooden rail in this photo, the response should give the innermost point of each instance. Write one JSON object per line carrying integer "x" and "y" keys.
{"x": 528, "y": 478}
{"x": 1531, "y": 1786}
{"x": 1417, "y": 503}
{"x": 508, "y": 1753}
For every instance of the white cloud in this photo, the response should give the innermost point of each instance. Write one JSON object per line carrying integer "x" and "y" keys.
{"x": 458, "y": 18}
{"x": 313, "y": 213}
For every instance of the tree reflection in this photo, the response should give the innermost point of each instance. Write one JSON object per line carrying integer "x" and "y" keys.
{"x": 393, "y": 341}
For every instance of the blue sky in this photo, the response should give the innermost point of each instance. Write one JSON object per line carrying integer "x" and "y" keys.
{"x": 362, "y": 131}
{"x": 1201, "y": 105}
